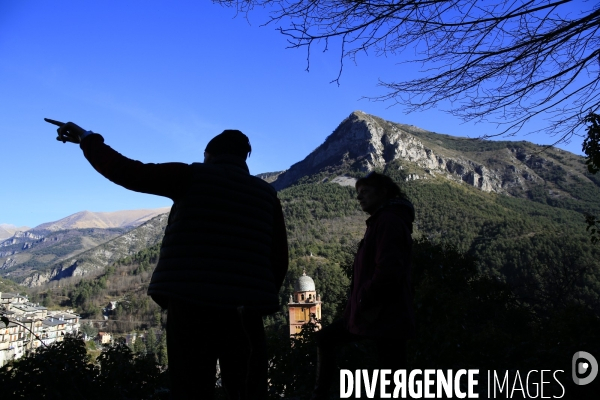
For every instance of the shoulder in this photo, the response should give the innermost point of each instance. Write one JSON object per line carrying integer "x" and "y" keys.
{"x": 231, "y": 174}
{"x": 264, "y": 185}
{"x": 393, "y": 218}
{"x": 387, "y": 217}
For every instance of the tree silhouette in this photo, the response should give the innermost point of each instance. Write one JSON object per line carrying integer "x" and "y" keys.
{"x": 506, "y": 61}
{"x": 591, "y": 144}
{"x": 591, "y": 148}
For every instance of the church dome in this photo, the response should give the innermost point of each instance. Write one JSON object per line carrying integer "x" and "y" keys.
{"x": 304, "y": 284}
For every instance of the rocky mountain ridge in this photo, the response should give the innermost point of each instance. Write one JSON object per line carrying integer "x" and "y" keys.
{"x": 114, "y": 219}
{"x": 49, "y": 244}
{"x": 269, "y": 176}
{"x": 548, "y": 176}
{"x": 8, "y": 230}
{"x": 364, "y": 142}
{"x": 96, "y": 259}
{"x": 37, "y": 250}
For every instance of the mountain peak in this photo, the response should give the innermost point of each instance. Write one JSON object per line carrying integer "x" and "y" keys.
{"x": 361, "y": 141}
{"x": 364, "y": 142}
{"x": 115, "y": 219}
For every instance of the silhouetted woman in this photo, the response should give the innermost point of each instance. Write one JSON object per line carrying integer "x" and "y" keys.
{"x": 380, "y": 303}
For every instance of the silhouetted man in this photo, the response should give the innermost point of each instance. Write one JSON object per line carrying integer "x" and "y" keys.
{"x": 222, "y": 260}
{"x": 380, "y": 303}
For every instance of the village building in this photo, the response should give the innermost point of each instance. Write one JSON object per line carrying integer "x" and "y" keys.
{"x": 30, "y": 326}
{"x": 29, "y": 309}
{"x": 130, "y": 338}
{"x": 53, "y": 330}
{"x": 104, "y": 338}
{"x": 72, "y": 324}
{"x": 304, "y": 304}
{"x": 33, "y": 330}
{"x": 12, "y": 338}
{"x": 8, "y": 299}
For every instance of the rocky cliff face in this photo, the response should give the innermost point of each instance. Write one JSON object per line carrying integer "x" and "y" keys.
{"x": 270, "y": 176}
{"x": 363, "y": 142}
{"x": 40, "y": 249}
{"x": 47, "y": 245}
{"x": 7, "y": 230}
{"x": 98, "y": 258}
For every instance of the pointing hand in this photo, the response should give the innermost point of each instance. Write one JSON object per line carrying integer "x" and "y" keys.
{"x": 68, "y": 132}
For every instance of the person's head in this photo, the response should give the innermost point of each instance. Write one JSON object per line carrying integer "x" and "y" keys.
{"x": 374, "y": 190}
{"x": 230, "y": 141}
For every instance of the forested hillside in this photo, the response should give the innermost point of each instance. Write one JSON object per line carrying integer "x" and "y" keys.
{"x": 504, "y": 272}
{"x": 531, "y": 245}
{"x": 40, "y": 250}
{"x": 500, "y": 282}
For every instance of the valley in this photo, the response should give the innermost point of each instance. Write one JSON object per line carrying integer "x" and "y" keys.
{"x": 514, "y": 206}
{"x": 504, "y": 272}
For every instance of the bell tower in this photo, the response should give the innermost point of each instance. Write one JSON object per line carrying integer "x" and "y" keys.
{"x": 304, "y": 304}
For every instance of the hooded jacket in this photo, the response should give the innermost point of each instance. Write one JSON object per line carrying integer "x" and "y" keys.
{"x": 380, "y": 303}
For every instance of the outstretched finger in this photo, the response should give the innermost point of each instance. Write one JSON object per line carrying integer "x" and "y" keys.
{"x": 54, "y": 122}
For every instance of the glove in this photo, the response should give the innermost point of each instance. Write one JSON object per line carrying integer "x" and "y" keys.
{"x": 69, "y": 132}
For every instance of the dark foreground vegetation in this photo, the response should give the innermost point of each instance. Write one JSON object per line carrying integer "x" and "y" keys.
{"x": 501, "y": 283}
{"x": 467, "y": 319}
{"x": 64, "y": 370}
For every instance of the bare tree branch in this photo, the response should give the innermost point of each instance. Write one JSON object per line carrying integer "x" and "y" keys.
{"x": 503, "y": 61}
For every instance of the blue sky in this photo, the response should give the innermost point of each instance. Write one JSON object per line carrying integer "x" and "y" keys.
{"x": 159, "y": 79}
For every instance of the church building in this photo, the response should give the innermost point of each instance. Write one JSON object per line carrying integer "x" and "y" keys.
{"x": 304, "y": 305}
